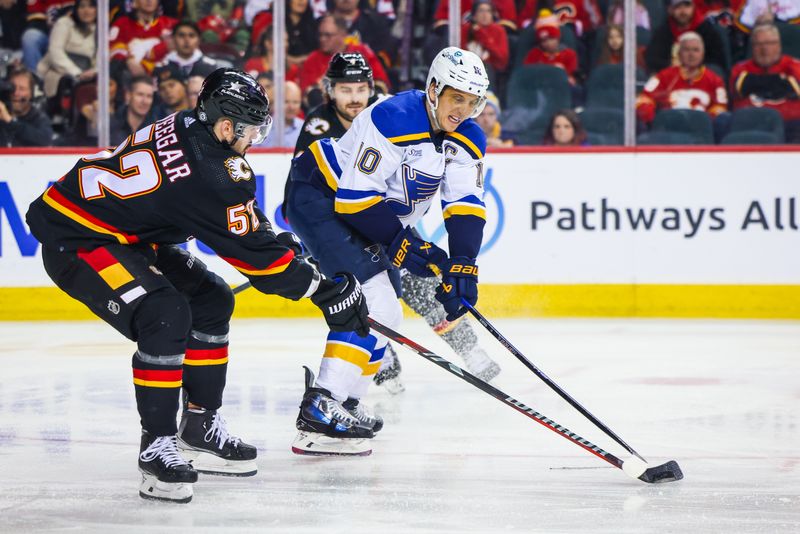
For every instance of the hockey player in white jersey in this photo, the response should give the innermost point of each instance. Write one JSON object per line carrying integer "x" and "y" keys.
{"x": 354, "y": 202}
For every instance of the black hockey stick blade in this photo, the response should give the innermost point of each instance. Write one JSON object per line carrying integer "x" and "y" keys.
{"x": 668, "y": 472}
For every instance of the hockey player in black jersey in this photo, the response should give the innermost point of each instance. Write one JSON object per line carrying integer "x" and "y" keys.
{"x": 109, "y": 231}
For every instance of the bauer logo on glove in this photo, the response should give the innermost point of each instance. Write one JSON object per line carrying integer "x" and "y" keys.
{"x": 409, "y": 251}
{"x": 459, "y": 280}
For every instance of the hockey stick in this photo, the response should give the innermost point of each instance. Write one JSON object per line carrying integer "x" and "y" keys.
{"x": 546, "y": 379}
{"x": 633, "y": 467}
{"x": 241, "y": 287}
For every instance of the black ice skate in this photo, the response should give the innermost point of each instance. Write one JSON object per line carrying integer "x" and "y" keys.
{"x": 389, "y": 374}
{"x": 165, "y": 475}
{"x": 326, "y": 427}
{"x": 204, "y": 441}
{"x": 366, "y": 419}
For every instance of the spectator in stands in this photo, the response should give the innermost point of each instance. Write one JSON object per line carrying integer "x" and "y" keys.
{"x": 565, "y": 129}
{"x": 21, "y": 124}
{"x": 770, "y": 79}
{"x": 506, "y": 13}
{"x": 293, "y": 123}
{"x": 302, "y": 29}
{"x": 487, "y": 39}
{"x": 85, "y": 132}
{"x": 365, "y": 26}
{"x": 42, "y": 15}
{"x": 584, "y": 16}
{"x": 616, "y": 14}
{"x": 550, "y": 51}
{"x": 755, "y": 12}
{"x": 263, "y": 62}
{"x": 688, "y": 85}
{"x": 72, "y": 48}
{"x": 172, "y": 88}
{"x": 195, "y": 81}
{"x": 187, "y": 53}
{"x": 13, "y": 14}
{"x": 265, "y": 81}
{"x": 683, "y": 17}
{"x": 137, "y": 111}
{"x": 489, "y": 121}
{"x": 332, "y": 39}
{"x": 612, "y": 48}
{"x": 141, "y": 40}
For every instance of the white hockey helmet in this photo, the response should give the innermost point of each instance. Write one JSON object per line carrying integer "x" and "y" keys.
{"x": 459, "y": 69}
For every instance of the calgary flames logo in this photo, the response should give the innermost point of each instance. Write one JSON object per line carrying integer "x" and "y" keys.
{"x": 238, "y": 168}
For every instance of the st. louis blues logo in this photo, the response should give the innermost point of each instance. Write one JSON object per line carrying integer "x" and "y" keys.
{"x": 417, "y": 187}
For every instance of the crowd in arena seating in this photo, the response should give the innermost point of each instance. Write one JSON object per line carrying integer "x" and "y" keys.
{"x": 708, "y": 71}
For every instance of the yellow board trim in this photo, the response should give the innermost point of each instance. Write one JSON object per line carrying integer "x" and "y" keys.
{"x": 115, "y": 275}
{"x": 81, "y": 220}
{"x": 196, "y": 363}
{"x": 496, "y": 300}
{"x": 355, "y": 207}
{"x": 464, "y": 139}
{"x": 477, "y": 211}
{"x": 157, "y": 383}
{"x": 322, "y": 163}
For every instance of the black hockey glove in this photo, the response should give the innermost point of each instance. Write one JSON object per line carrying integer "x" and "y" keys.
{"x": 459, "y": 280}
{"x": 409, "y": 251}
{"x": 343, "y": 304}
{"x": 291, "y": 241}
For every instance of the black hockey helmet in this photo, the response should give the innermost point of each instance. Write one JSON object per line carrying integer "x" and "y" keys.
{"x": 350, "y": 67}
{"x": 235, "y": 95}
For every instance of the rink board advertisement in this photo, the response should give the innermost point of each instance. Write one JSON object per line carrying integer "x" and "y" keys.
{"x": 605, "y": 233}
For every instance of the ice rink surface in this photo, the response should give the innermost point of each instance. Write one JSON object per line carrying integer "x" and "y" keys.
{"x": 720, "y": 397}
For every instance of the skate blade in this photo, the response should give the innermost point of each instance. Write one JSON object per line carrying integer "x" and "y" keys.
{"x": 208, "y": 464}
{"x": 155, "y": 490}
{"x": 310, "y": 443}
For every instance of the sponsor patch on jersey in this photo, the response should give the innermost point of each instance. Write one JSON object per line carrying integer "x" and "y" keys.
{"x": 317, "y": 126}
{"x": 238, "y": 168}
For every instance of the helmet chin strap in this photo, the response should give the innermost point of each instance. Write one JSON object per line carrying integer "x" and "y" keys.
{"x": 434, "y": 104}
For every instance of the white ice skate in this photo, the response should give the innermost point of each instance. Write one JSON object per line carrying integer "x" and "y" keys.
{"x": 480, "y": 365}
{"x": 319, "y": 444}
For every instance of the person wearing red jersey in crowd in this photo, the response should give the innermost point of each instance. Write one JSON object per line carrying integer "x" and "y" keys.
{"x": 369, "y": 27}
{"x": 486, "y": 38}
{"x": 689, "y": 85}
{"x": 263, "y": 62}
{"x": 141, "y": 40}
{"x": 333, "y": 40}
{"x": 42, "y": 15}
{"x": 770, "y": 79}
{"x": 506, "y": 13}
{"x": 549, "y": 50}
{"x": 565, "y": 129}
{"x": 584, "y": 15}
{"x": 683, "y": 17}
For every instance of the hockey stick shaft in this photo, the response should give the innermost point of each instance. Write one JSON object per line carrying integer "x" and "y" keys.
{"x": 546, "y": 379}
{"x": 241, "y": 287}
{"x": 496, "y": 393}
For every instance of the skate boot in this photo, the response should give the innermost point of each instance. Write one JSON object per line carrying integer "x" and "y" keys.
{"x": 165, "y": 475}
{"x": 389, "y": 374}
{"x": 204, "y": 441}
{"x": 365, "y": 417}
{"x": 479, "y": 364}
{"x": 326, "y": 427}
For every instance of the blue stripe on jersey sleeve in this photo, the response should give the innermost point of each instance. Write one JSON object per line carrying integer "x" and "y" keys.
{"x": 470, "y": 199}
{"x": 354, "y": 194}
{"x": 470, "y": 137}
{"x": 330, "y": 156}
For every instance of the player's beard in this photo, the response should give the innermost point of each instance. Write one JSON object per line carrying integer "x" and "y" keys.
{"x": 351, "y": 110}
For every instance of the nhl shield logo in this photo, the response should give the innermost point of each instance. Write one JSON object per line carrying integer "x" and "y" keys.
{"x": 238, "y": 169}
{"x": 113, "y": 307}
